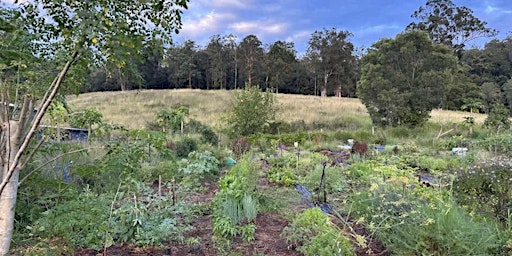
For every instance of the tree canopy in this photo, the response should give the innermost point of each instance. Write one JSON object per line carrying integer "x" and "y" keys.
{"x": 449, "y": 24}
{"x": 403, "y": 79}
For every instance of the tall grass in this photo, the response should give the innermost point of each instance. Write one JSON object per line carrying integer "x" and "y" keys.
{"x": 134, "y": 109}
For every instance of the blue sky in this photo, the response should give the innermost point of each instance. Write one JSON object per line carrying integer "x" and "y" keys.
{"x": 295, "y": 20}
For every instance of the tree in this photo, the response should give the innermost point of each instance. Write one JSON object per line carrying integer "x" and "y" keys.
{"x": 74, "y": 33}
{"x": 230, "y": 41}
{"x": 331, "y": 55}
{"x": 507, "y": 92}
{"x": 281, "y": 59}
{"x": 217, "y": 62}
{"x": 184, "y": 62}
{"x": 251, "y": 55}
{"x": 449, "y": 24}
{"x": 151, "y": 67}
{"x": 490, "y": 95}
{"x": 251, "y": 111}
{"x": 403, "y": 78}
{"x": 498, "y": 118}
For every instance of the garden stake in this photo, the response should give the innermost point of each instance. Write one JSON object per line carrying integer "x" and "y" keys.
{"x": 173, "y": 192}
{"x": 159, "y": 191}
{"x": 322, "y": 184}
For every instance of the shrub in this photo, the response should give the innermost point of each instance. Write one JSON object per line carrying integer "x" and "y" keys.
{"x": 486, "y": 187}
{"x": 251, "y": 112}
{"x": 80, "y": 222}
{"x": 498, "y": 118}
{"x": 184, "y": 146}
{"x": 314, "y": 234}
{"x": 412, "y": 220}
{"x": 240, "y": 146}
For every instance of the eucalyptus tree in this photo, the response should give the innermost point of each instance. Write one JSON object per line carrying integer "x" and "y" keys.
{"x": 74, "y": 33}
{"x": 218, "y": 60}
{"x": 281, "y": 61}
{"x": 230, "y": 42}
{"x": 182, "y": 60}
{"x": 404, "y": 78}
{"x": 251, "y": 56}
{"x": 331, "y": 54}
{"x": 151, "y": 65}
{"x": 449, "y": 24}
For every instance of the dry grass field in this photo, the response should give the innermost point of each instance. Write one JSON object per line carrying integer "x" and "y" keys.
{"x": 134, "y": 109}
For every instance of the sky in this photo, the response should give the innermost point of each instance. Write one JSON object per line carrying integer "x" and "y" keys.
{"x": 295, "y": 20}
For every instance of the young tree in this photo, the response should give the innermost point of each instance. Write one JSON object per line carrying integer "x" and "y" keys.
{"x": 78, "y": 32}
{"x": 251, "y": 111}
{"x": 403, "y": 79}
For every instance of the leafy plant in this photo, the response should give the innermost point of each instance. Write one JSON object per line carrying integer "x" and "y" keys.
{"x": 313, "y": 233}
{"x": 412, "y": 220}
{"x": 184, "y": 146}
{"x": 282, "y": 175}
{"x": 235, "y": 204}
{"x": 199, "y": 165}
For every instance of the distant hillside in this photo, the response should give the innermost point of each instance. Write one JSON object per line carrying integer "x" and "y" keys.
{"x": 134, "y": 109}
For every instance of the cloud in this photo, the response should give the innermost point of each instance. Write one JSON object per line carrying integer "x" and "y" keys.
{"x": 377, "y": 29}
{"x": 207, "y": 24}
{"x": 259, "y": 27}
{"x": 223, "y": 4}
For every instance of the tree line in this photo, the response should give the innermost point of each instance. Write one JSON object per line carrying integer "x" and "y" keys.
{"x": 225, "y": 63}
{"x": 331, "y": 65}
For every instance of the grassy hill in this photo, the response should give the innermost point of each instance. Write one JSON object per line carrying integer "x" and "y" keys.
{"x": 134, "y": 109}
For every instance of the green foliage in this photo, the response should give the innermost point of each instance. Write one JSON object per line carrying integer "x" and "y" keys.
{"x": 333, "y": 183}
{"x": 314, "y": 234}
{"x": 199, "y": 166}
{"x": 184, "y": 146}
{"x": 208, "y": 135}
{"x": 282, "y": 176}
{"x": 284, "y": 138}
{"x": 498, "y": 144}
{"x": 85, "y": 119}
{"x": 498, "y": 118}
{"x": 171, "y": 120}
{"x": 81, "y": 222}
{"x": 421, "y": 221}
{"x": 235, "y": 204}
{"x": 486, "y": 187}
{"x": 449, "y": 24}
{"x": 167, "y": 169}
{"x": 251, "y": 112}
{"x": 86, "y": 221}
{"x": 403, "y": 79}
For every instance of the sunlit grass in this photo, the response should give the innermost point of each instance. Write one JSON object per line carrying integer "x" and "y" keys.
{"x": 134, "y": 109}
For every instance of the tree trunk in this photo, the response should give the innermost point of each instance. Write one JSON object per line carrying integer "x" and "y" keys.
{"x": 16, "y": 143}
{"x": 8, "y": 196}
